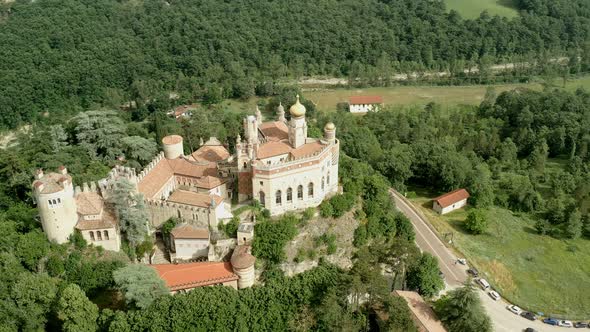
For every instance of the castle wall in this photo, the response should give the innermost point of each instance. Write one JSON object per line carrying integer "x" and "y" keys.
{"x": 161, "y": 211}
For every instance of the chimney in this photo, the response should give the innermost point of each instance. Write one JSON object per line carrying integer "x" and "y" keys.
{"x": 39, "y": 173}
{"x": 39, "y": 185}
{"x": 63, "y": 170}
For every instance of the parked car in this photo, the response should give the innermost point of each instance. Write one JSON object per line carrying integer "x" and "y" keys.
{"x": 494, "y": 295}
{"x": 462, "y": 261}
{"x": 581, "y": 325}
{"x": 514, "y": 309}
{"x": 565, "y": 323}
{"x": 441, "y": 274}
{"x": 473, "y": 271}
{"x": 530, "y": 329}
{"x": 528, "y": 315}
{"x": 551, "y": 321}
{"x": 483, "y": 283}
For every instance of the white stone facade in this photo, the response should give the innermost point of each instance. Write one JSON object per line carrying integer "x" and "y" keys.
{"x": 443, "y": 210}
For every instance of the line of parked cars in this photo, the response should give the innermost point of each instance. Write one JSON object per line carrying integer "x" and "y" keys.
{"x": 518, "y": 311}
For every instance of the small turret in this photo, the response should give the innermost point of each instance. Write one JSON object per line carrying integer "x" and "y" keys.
{"x": 258, "y": 116}
{"x": 242, "y": 263}
{"x": 329, "y": 132}
{"x": 172, "y": 146}
{"x": 281, "y": 113}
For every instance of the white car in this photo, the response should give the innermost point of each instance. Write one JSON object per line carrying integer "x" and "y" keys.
{"x": 483, "y": 283}
{"x": 462, "y": 261}
{"x": 494, "y": 295}
{"x": 565, "y": 323}
{"x": 514, "y": 309}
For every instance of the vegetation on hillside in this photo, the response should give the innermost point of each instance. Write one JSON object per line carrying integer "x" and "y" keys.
{"x": 61, "y": 57}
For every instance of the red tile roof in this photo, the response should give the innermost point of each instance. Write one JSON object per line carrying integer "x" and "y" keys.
{"x": 191, "y": 275}
{"x": 212, "y": 153}
{"x": 187, "y": 231}
{"x": 361, "y": 100}
{"x": 275, "y": 130}
{"x": 193, "y": 198}
{"x": 451, "y": 198}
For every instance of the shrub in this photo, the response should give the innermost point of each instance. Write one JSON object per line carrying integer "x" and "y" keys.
{"x": 476, "y": 222}
{"x": 271, "y": 237}
{"x": 231, "y": 227}
{"x": 342, "y": 204}
{"x": 326, "y": 209}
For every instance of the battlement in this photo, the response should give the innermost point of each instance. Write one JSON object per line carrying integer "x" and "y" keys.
{"x": 174, "y": 205}
{"x": 147, "y": 169}
{"x": 294, "y": 161}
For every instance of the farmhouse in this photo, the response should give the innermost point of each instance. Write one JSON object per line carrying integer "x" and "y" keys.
{"x": 189, "y": 241}
{"x": 450, "y": 201}
{"x": 364, "y": 104}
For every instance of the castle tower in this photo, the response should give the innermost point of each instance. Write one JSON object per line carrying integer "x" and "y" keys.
{"x": 281, "y": 113}
{"x": 297, "y": 125}
{"x": 172, "y": 146}
{"x": 54, "y": 194}
{"x": 251, "y": 129}
{"x": 330, "y": 132}
{"x": 242, "y": 263}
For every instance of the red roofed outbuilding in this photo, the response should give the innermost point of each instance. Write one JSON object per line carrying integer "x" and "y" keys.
{"x": 450, "y": 201}
{"x": 364, "y": 104}
{"x": 184, "y": 277}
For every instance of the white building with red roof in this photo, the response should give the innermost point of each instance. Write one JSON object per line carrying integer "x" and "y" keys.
{"x": 281, "y": 167}
{"x": 364, "y": 104}
{"x": 450, "y": 201}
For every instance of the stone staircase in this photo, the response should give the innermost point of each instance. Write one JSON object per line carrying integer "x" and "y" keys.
{"x": 160, "y": 255}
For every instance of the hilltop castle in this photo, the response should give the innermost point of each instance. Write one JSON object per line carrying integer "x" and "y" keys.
{"x": 276, "y": 164}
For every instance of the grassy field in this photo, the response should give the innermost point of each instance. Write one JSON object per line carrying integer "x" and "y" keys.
{"x": 538, "y": 273}
{"x": 327, "y": 99}
{"x": 472, "y": 8}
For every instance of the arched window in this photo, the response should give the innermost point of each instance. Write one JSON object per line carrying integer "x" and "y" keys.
{"x": 328, "y": 178}
{"x": 98, "y": 236}
{"x": 261, "y": 198}
{"x": 54, "y": 202}
{"x": 106, "y": 235}
{"x": 245, "y": 165}
{"x": 300, "y": 192}
{"x": 278, "y": 197}
{"x": 322, "y": 183}
{"x": 91, "y": 236}
{"x": 310, "y": 189}
{"x": 289, "y": 195}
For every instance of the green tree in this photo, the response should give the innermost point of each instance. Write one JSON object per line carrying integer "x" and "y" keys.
{"x": 476, "y": 222}
{"x": 424, "y": 276}
{"x": 31, "y": 247}
{"x": 574, "y": 225}
{"x": 461, "y": 311}
{"x": 100, "y": 133}
{"x": 76, "y": 311}
{"x": 131, "y": 211}
{"x": 139, "y": 149}
{"x": 32, "y": 296}
{"x": 140, "y": 284}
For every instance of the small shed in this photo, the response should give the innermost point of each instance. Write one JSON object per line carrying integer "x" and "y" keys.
{"x": 364, "y": 104}
{"x": 450, "y": 201}
{"x": 189, "y": 241}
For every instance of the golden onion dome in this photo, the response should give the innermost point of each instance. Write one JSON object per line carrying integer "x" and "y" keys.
{"x": 297, "y": 110}
{"x": 329, "y": 126}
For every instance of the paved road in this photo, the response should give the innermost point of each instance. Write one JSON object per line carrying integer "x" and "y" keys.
{"x": 455, "y": 274}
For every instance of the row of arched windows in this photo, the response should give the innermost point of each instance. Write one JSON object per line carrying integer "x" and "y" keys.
{"x": 99, "y": 235}
{"x": 289, "y": 196}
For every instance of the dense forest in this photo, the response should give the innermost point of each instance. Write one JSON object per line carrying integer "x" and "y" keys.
{"x": 65, "y": 56}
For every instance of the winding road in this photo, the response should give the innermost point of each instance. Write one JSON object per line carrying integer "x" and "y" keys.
{"x": 456, "y": 274}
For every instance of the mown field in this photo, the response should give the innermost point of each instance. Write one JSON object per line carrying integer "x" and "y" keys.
{"x": 472, "y": 8}
{"x": 327, "y": 99}
{"x": 538, "y": 273}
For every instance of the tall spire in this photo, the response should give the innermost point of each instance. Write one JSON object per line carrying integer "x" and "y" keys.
{"x": 281, "y": 113}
